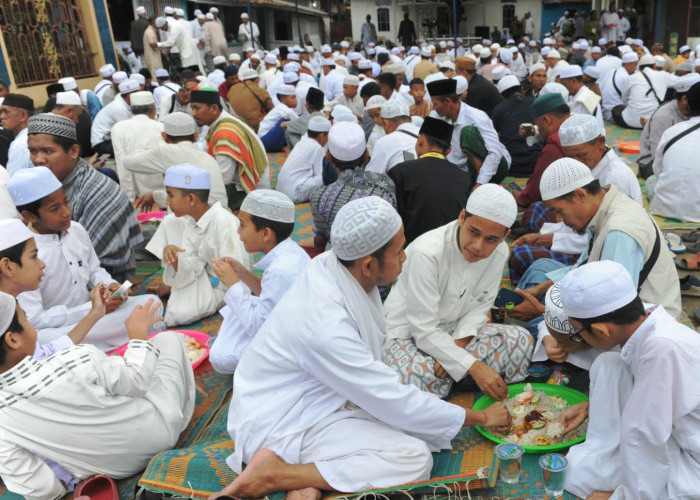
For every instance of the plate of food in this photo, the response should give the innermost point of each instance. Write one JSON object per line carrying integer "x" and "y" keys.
{"x": 195, "y": 342}
{"x": 629, "y": 147}
{"x": 534, "y": 409}
{"x": 150, "y": 216}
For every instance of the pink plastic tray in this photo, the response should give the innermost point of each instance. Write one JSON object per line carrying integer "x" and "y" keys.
{"x": 150, "y": 215}
{"x": 200, "y": 337}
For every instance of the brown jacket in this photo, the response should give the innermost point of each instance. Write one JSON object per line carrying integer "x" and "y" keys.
{"x": 250, "y": 102}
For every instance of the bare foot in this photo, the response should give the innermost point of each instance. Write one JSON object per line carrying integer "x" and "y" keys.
{"x": 305, "y": 494}
{"x": 257, "y": 479}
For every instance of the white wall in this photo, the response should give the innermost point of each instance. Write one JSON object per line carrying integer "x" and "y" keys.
{"x": 360, "y": 9}
{"x": 488, "y": 13}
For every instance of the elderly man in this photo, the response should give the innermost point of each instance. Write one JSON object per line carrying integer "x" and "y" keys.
{"x": 164, "y": 90}
{"x": 179, "y": 38}
{"x": 114, "y": 112}
{"x": 581, "y": 140}
{"x": 68, "y": 104}
{"x": 482, "y": 94}
{"x": 646, "y": 90}
{"x": 14, "y": 115}
{"x": 151, "y": 53}
{"x": 399, "y": 143}
{"x": 446, "y": 105}
{"x": 214, "y": 38}
{"x": 437, "y": 312}
{"x": 139, "y": 133}
{"x": 248, "y": 33}
{"x": 614, "y": 87}
{"x": 643, "y": 429}
{"x": 96, "y": 201}
{"x": 582, "y": 100}
{"x": 677, "y": 188}
{"x": 332, "y": 362}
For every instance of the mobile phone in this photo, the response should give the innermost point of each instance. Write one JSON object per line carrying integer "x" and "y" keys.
{"x": 506, "y": 295}
{"x": 104, "y": 157}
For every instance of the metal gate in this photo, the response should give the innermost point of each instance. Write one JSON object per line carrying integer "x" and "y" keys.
{"x": 45, "y": 40}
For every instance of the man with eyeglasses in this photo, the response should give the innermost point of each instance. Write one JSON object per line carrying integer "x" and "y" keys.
{"x": 643, "y": 437}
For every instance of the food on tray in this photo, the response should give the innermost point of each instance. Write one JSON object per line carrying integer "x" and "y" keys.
{"x": 194, "y": 349}
{"x": 535, "y": 419}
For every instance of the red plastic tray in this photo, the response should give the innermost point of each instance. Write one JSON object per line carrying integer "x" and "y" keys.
{"x": 146, "y": 216}
{"x": 200, "y": 337}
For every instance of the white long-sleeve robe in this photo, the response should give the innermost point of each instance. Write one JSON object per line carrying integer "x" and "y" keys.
{"x": 389, "y": 151}
{"x": 302, "y": 172}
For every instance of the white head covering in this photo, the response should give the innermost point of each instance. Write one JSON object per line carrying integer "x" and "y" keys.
{"x": 374, "y": 102}
{"x": 289, "y": 77}
{"x": 339, "y": 109}
{"x": 545, "y": 51}
{"x": 234, "y": 57}
{"x": 494, "y": 203}
{"x": 187, "y": 176}
{"x": 499, "y": 72}
{"x": 247, "y": 74}
{"x": 270, "y": 205}
{"x": 68, "y": 83}
{"x": 660, "y": 61}
{"x": 270, "y": 58}
{"x": 120, "y": 77}
{"x": 602, "y": 41}
{"x": 162, "y": 73}
{"x": 562, "y": 177}
{"x": 508, "y": 82}
{"x": 142, "y": 98}
{"x": 31, "y": 184}
{"x": 219, "y": 60}
{"x": 363, "y": 226}
{"x": 69, "y": 98}
{"x": 571, "y": 71}
{"x": 287, "y": 89}
{"x": 506, "y": 56}
{"x": 555, "y": 88}
{"x": 129, "y": 86}
{"x": 685, "y": 82}
{"x": 462, "y": 84}
{"x": 592, "y": 71}
{"x": 351, "y": 80}
{"x": 554, "y": 315}
{"x": 394, "y": 108}
{"x": 169, "y": 10}
{"x": 138, "y": 77}
{"x": 13, "y": 231}
{"x": 178, "y": 124}
{"x": 319, "y": 124}
{"x": 596, "y": 288}
{"x": 107, "y": 70}
{"x": 596, "y": 50}
{"x": 578, "y": 129}
{"x": 684, "y": 48}
{"x": 536, "y": 67}
{"x": 630, "y": 57}
{"x": 425, "y": 51}
{"x": 140, "y": 9}
{"x": 180, "y": 12}
{"x": 215, "y": 10}
{"x": 554, "y": 54}
{"x": 345, "y": 117}
{"x": 160, "y": 22}
{"x": 8, "y": 307}
{"x": 583, "y": 45}
{"x": 292, "y": 56}
{"x": 346, "y": 141}
{"x": 209, "y": 16}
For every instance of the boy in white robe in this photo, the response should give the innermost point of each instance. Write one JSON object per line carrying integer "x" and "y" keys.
{"x": 80, "y": 412}
{"x": 643, "y": 438}
{"x": 266, "y": 224}
{"x": 302, "y": 172}
{"x": 272, "y": 127}
{"x": 436, "y": 314}
{"x": 314, "y": 408}
{"x": 73, "y": 269}
{"x": 188, "y": 242}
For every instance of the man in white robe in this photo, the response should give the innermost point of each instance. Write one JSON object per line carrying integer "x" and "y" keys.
{"x": 582, "y": 100}
{"x": 248, "y": 33}
{"x": 399, "y": 143}
{"x": 302, "y": 172}
{"x": 14, "y": 115}
{"x": 642, "y": 441}
{"x": 179, "y": 38}
{"x": 114, "y": 112}
{"x": 437, "y": 312}
{"x": 313, "y": 376}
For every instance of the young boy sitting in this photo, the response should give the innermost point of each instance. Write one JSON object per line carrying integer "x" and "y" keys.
{"x": 80, "y": 412}
{"x": 267, "y": 221}
{"x": 420, "y": 107}
{"x": 187, "y": 245}
{"x": 21, "y": 269}
{"x": 273, "y": 126}
{"x": 62, "y": 298}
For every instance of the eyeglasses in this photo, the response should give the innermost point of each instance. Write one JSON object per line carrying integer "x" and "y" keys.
{"x": 576, "y": 336}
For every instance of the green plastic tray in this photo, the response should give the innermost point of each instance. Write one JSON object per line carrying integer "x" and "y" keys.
{"x": 571, "y": 396}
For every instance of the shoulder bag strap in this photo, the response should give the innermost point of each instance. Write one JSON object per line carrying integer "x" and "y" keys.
{"x": 651, "y": 87}
{"x": 615, "y": 84}
{"x": 680, "y": 136}
{"x": 651, "y": 261}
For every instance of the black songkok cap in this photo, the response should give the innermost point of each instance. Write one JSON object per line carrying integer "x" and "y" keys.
{"x": 439, "y": 129}
{"x": 446, "y": 86}
{"x": 20, "y": 101}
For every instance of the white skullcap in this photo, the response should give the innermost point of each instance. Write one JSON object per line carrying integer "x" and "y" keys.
{"x": 510, "y": 41}
{"x": 374, "y": 102}
{"x": 8, "y": 308}
{"x": 328, "y": 62}
{"x": 346, "y": 141}
{"x": 120, "y": 77}
{"x": 354, "y": 56}
{"x": 443, "y": 45}
{"x": 521, "y": 45}
{"x": 339, "y": 109}
{"x": 630, "y": 57}
{"x": 292, "y": 66}
{"x": 477, "y": 48}
{"x": 414, "y": 50}
{"x": 575, "y": 46}
{"x": 13, "y": 231}
{"x": 536, "y": 67}
{"x": 494, "y": 203}
{"x": 462, "y": 84}
{"x": 247, "y": 74}
{"x": 287, "y": 89}
{"x": 578, "y": 129}
{"x": 140, "y": 9}
{"x": 583, "y": 45}
{"x": 571, "y": 71}
{"x": 319, "y": 124}
{"x": 602, "y": 41}
{"x": 684, "y": 48}
{"x": 326, "y": 49}
{"x": 345, "y": 116}
{"x": 495, "y": 46}
{"x": 629, "y": 40}
{"x": 683, "y": 83}
{"x": 433, "y": 78}
{"x": 219, "y": 60}
{"x": 450, "y": 43}
{"x": 290, "y": 77}
{"x": 554, "y": 315}
{"x": 562, "y": 177}
{"x": 68, "y": 83}
{"x": 28, "y": 185}
{"x": 142, "y": 98}
{"x": 83, "y": 97}
{"x": 596, "y": 288}
{"x": 555, "y": 88}
{"x": 647, "y": 60}
{"x": 660, "y": 61}
{"x": 197, "y": 12}
{"x": 545, "y": 51}
{"x": 215, "y": 10}
{"x": 129, "y": 86}
{"x": 548, "y": 41}
{"x": 269, "y": 204}
{"x": 201, "y": 16}
{"x": 234, "y": 57}
{"x": 596, "y": 50}
{"x": 351, "y": 80}
{"x": 169, "y": 10}
{"x": 592, "y": 71}
{"x": 506, "y": 56}
{"x": 270, "y": 58}
{"x": 624, "y": 49}
{"x": 160, "y": 22}
{"x": 394, "y": 69}
{"x": 107, "y": 70}
{"x": 180, "y": 12}
{"x": 138, "y": 77}
{"x": 162, "y": 73}
{"x": 69, "y": 98}
{"x": 394, "y": 108}
{"x": 417, "y": 121}
{"x": 178, "y": 124}
{"x": 445, "y": 64}
{"x": 345, "y": 44}
{"x": 508, "y": 82}
{"x": 255, "y": 56}
{"x": 244, "y": 15}
{"x": 485, "y": 52}
{"x": 425, "y": 51}
{"x": 532, "y": 43}
{"x": 364, "y": 64}
{"x": 209, "y": 16}
{"x": 292, "y": 56}
{"x": 187, "y": 176}
{"x": 498, "y": 72}
{"x": 639, "y": 42}
{"x": 363, "y": 226}
{"x": 371, "y": 51}
{"x": 554, "y": 54}
{"x": 486, "y": 42}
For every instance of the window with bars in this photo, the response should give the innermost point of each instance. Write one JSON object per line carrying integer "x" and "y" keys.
{"x": 45, "y": 40}
{"x": 383, "y": 20}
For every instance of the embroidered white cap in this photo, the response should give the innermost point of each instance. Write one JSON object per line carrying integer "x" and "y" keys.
{"x": 269, "y": 204}
{"x": 162, "y": 73}
{"x": 374, "y": 102}
{"x": 571, "y": 71}
{"x": 494, "y": 203}
{"x": 142, "y": 98}
{"x": 508, "y": 82}
{"x": 178, "y": 124}
{"x": 129, "y": 86}
{"x": 287, "y": 89}
{"x": 554, "y": 315}
{"x": 120, "y": 77}
{"x": 107, "y": 70}
{"x": 578, "y": 129}
{"x": 319, "y": 124}
{"x": 346, "y": 141}
{"x": 394, "y": 108}
{"x": 28, "y": 185}
{"x": 630, "y": 57}
{"x": 562, "y": 177}
{"x": 290, "y": 77}
{"x": 187, "y": 176}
